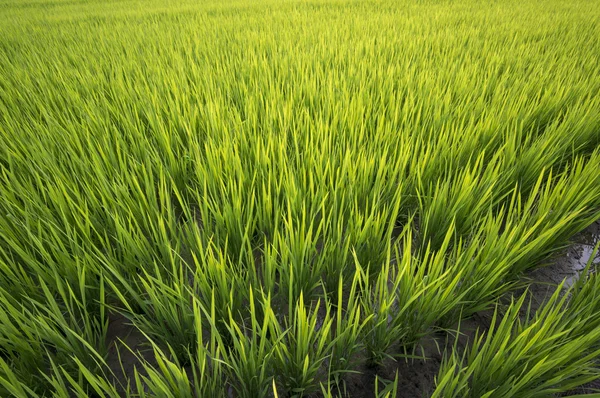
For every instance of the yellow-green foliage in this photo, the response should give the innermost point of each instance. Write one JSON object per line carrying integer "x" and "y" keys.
{"x": 276, "y": 193}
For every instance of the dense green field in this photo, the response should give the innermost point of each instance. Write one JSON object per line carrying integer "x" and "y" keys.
{"x": 294, "y": 198}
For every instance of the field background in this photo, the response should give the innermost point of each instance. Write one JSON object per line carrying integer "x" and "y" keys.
{"x": 263, "y": 198}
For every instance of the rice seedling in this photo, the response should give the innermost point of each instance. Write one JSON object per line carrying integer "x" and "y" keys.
{"x": 303, "y": 346}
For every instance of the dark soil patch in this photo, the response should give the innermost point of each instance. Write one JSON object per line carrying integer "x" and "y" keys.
{"x": 126, "y": 346}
